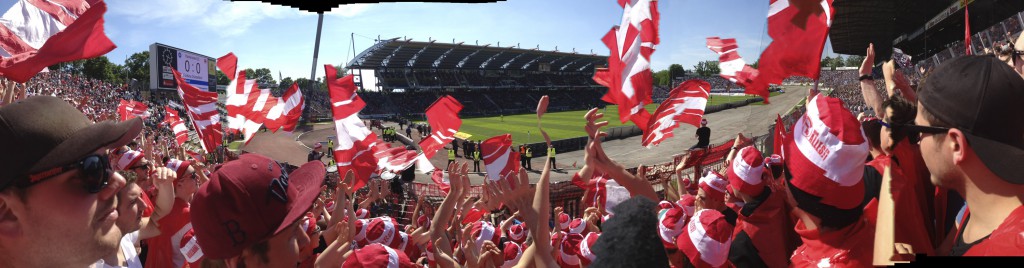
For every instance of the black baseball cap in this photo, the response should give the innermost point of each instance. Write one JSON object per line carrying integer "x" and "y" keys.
{"x": 43, "y": 132}
{"x": 981, "y": 96}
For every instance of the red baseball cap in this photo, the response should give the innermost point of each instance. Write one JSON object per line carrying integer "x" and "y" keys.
{"x": 249, "y": 200}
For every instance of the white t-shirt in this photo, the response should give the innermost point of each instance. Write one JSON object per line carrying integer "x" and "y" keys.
{"x": 128, "y": 248}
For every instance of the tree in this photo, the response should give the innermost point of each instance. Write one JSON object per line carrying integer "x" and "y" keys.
{"x": 662, "y": 78}
{"x": 286, "y": 83}
{"x": 826, "y": 62}
{"x": 707, "y": 68}
{"x": 755, "y": 63}
{"x": 675, "y": 71}
{"x": 100, "y": 68}
{"x": 137, "y": 66}
{"x": 222, "y": 79}
{"x": 854, "y": 60}
{"x": 838, "y": 61}
{"x": 73, "y": 67}
{"x": 261, "y": 75}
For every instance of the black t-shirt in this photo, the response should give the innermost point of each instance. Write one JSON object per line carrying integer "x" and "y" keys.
{"x": 704, "y": 135}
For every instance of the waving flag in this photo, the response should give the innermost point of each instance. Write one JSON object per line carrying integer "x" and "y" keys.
{"x": 129, "y": 109}
{"x": 202, "y": 110}
{"x": 394, "y": 159}
{"x": 685, "y": 104}
{"x": 441, "y": 180}
{"x": 628, "y": 76}
{"x": 285, "y": 115}
{"x": 356, "y": 143}
{"x": 798, "y": 29}
{"x": 734, "y": 67}
{"x": 779, "y": 136}
{"x": 250, "y": 107}
{"x": 600, "y": 191}
{"x": 443, "y": 117}
{"x": 39, "y": 33}
{"x": 499, "y": 159}
{"x": 174, "y": 122}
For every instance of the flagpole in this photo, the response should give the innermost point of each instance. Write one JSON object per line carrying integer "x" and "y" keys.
{"x": 316, "y": 47}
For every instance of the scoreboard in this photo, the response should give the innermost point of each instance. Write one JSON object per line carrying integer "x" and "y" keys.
{"x": 196, "y": 69}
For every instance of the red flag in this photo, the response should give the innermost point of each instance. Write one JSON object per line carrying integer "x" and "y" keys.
{"x": 443, "y": 117}
{"x": 628, "y": 77}
{"x": 177, "y": 126}
{"x": 733, "y": 67}
{"x": 500, "y": 160}
{"x": 356, "y": 143}
{"x": 685, "y": 104}
{"x": 798, "y": 29}
{"x": 228, "y": 64}
{"x": 441, "y": 180}
{"x": 197, "y": 156}
{"x": 31, "y": 37}
{"x": 967, "y": 29}
{"x": 393, "y": 159}
{"x": 202, "y": 109}
{"x": 129, "y": 109}
{"x": 285, "y": 115}
{"x": 779, "y": 136}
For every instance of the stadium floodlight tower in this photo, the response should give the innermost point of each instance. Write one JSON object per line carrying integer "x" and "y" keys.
{"x": 319, "y": 7}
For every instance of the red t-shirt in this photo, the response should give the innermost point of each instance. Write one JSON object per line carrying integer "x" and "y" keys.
{"x": 1005, "y": 240}
{"x": 149, "y": 204}
{"x": 819, "y": 249}
{"x": 176, "y": 236}
{"x": 918, "y": 179}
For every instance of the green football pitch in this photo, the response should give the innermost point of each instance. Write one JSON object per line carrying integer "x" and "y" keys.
{"x": 558, "y": 125}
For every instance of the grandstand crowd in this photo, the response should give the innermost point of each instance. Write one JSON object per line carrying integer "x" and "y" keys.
{"x": 932, "y": 162}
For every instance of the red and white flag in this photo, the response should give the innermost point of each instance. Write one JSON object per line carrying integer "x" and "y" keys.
{"x": 202, "y": 110}
{"x": 798, "y": 29}
{"x": 249, "y": 107}
{"x": 601, "y": 191}
{"x": 443, "y": 117}
{"x": 628, "y": 76}
{"x": 733, "y": 67}
{"x": 393, "y": 159}
{"x": 779, "y": 136}
{"x": 685, "y": 104}
{"x": 129, "y": 109}
{"x": 197, "y": 156}
{"x": 174, "y": 122}
{"x": 500, "y": 160}
{"x": 39, "y": 33}
{"x": 285, "y": 115}
{"x": 356, "y": 143}
{"x": 440, "y": 178}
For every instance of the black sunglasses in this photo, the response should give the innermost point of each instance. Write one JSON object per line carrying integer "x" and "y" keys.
{"x": 919, "y": 131}
{"x": 95, "y": 170}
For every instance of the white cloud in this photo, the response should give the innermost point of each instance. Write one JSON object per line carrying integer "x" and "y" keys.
{"x": 221, "y": 17}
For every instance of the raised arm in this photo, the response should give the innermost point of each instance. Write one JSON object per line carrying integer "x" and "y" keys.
{"x": 867, "y": 86}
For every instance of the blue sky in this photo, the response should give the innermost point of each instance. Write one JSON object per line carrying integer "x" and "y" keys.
{"x": 281, "y": 38}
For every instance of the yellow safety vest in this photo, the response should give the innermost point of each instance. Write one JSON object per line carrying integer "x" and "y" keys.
{"x": 476, "y": 155}
{"x": 529, "y": 152}
{"x": 451, "y": 154}
{"x": 551, "y": 152}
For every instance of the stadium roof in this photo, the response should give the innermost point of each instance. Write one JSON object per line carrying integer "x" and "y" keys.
{"x": 395, "y": 53}
{"x": 918, "y": 27}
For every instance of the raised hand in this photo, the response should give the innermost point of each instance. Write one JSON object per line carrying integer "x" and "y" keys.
{"x": 869, "y": 60}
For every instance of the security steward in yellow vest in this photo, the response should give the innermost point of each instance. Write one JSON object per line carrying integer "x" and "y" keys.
{"x": 529, "y": 157}
{"x": 551, "y": 155}
{"x": 451, "y": 156}
{"x": 476, "y": 161}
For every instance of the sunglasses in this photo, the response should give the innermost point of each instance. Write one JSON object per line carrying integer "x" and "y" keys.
{"x": 919, "y": 131}
{"x": 95, "y": 170}
{"x": 146, "y": 166}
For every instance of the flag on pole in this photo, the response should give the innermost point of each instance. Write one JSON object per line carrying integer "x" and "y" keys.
{"x": 628, "y": 76}
{"x": 36, "y": 34}
{"x": 685, "y": 104}
{"x": 798, "y": 29}
{"x": 734, "y": 68}
{"x": 177, "y": 126}
{"x": 356, "y": 143}
{"x": 129, "y": 109}
{"x": 202, "y": 110}
{"x": 443, "y": 116}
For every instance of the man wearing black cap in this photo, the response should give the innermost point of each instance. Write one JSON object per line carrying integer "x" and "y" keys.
{"x": 971, "y": 134}
{"x": 58, "y": 194}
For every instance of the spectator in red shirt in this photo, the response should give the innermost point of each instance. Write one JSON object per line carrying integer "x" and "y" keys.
{"x": 58, "y": 195}
{"x": 972, "y": 140}
{"x": 176, "y": 243}
{"x": 825, "y": 158}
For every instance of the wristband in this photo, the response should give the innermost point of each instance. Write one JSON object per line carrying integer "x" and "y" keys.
{"x": 866, "y": 77}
